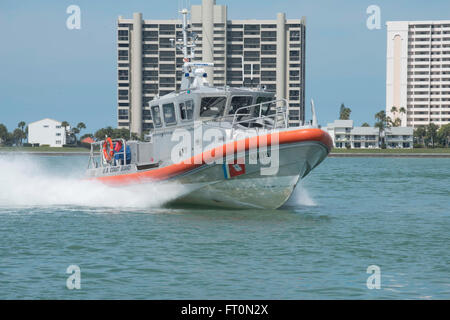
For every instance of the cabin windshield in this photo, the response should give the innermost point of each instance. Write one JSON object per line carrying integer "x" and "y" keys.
{"x": 239, "y": 102}
{"x": 266, "y": 108}
{"x": 169, "y": 114}
{"x": 186, "y": 110}
{"x": 212, "y": 107}
{"x": 156, "y": 114}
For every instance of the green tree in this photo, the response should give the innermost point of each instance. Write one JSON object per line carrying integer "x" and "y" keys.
{"x": 431, "y": 134}
{"x": 21, "y": 125}
{"x": 87, "y": 135}
{"x": 344, "y": 112}
{"x": 419, "y": 135}
{"x": 444, "y": 135}
{"x": 101, "y": 134}
{"x": 18, "y": 136}
{"x": 3, "y": 134}
{"x": 394, "y": 110}
{"x": 365, "y": 124}
{"x": 382, "y": 123}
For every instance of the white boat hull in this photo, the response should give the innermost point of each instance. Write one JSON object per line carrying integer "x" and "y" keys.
{"x": 209, "y": 185}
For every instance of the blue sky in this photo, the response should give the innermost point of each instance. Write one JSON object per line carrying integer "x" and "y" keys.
{"x": 50, "y": 71}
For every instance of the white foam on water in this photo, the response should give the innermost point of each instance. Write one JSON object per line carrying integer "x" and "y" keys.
{"x": 24, "y": 182}
{"x": 301, "y": 197}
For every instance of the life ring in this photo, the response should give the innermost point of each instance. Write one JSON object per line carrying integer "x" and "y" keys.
{"x": 108, "y": 153}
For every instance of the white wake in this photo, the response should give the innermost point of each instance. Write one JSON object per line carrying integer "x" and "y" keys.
{"x": 301, "y": 197}
{"x": 26, "y": 182}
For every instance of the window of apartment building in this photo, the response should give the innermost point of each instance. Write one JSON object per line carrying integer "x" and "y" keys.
{"x": 268, "y": 35}
{"x": 268, "y": 62}
{"x": 294, "y": 55}
{"x": 123, "y": 54}
{"x": 251, "y": 43}
{"x": 251, "y": 29}
{"x": 235, "y": 63}
{"x": 235, "y": 26}
{"x": 294, "y": 35}
{"x": 123, "y": 74}
{"x": 150, "y": 75}
{"x": 251, "y": 56}
{"x": 166, "y": 55}
{"x": 150, "y": 62}
{"x": 122, "y": 35}
{"x": 150, "y": 35}
{"x": 268, "y": 26}
{"x": 234, "y": 75}
{"x": 150, "y": 49}
{"x": 146, "y": 114}
{"x": 248, "y": 68}
{"x": 167, "y": 29}
{"x": 123, "y": 114}
{"x": 268, "y": 75}
{"x": 268, "y": 49}
{"x": 165, "y": 43}
{"x": 123, "y": 45}
{"x": 249, "y": 82}
{"x": 58, "y": 134}
{"x": 235, "y": 35}
{"x": 123, "y": 94}
{"x": 150, "y": 88}
{"x": 165, "y": 82}
{"x": 167, "y": 68}
{"x": 294, "y": 75}
{"x": 294, "y": 94}
{"x": 123, "y": 85}
{"x": 124, "y": 104}
{"x": 235, "y": 49}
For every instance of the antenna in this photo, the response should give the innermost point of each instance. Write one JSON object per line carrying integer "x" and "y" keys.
{"x": 313, "y": 112}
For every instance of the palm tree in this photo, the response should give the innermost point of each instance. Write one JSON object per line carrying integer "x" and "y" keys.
{"x": 419, "y": 134}
{"x": 431, "y": 134}
{"x": 81, "y": 126}
{"x": 344, "y": 113}
{"x": 382, "y": 124}
{"x": 21, "y": 125}
{"x": 394, "y": 109}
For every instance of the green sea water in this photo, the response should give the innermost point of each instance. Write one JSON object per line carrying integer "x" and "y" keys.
{"x": 347, "y": 215}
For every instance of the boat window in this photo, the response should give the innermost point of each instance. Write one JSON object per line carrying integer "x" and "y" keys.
{"x": 187, "y": 110}
{"x": 169, "y": 114}
{"x": 267, "y": 108}
{"x": 156, "y": 114}
{"x": 239, "y": 102}
{"x": 212, "y": 106}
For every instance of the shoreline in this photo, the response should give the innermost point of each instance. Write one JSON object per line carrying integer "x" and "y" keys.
{"x": 331, "y": 154}
{"x": 387, "y": 155}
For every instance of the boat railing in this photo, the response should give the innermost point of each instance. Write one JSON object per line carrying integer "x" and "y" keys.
{"x": 95, "y": 157}
{"x": 265, "y": 115}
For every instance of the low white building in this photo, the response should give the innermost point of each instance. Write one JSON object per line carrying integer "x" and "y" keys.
{"x": 47, "y": 132}
{"x": 399, "y": 137}
{"x": 345, "y": 135}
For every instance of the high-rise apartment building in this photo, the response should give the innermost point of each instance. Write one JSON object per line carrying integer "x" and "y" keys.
{"x": 418, "y": 72}
{"x": 252, "y": 53}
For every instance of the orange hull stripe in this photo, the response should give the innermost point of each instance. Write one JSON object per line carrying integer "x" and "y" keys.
{"x": 209, "y": 156}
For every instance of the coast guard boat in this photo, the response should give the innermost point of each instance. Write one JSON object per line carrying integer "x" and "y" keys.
{"x": 230, "y": 147}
